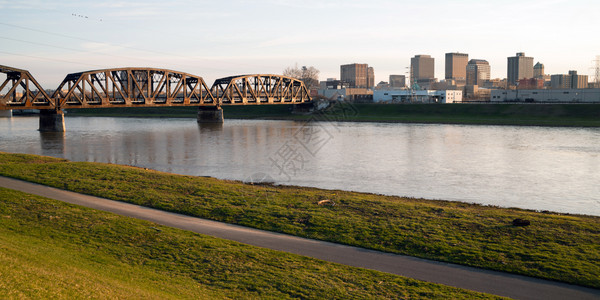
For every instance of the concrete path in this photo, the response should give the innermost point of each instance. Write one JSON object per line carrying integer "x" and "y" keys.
{"x": 498, "y": 283}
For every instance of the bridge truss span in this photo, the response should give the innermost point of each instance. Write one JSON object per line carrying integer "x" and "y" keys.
{"x": 20, "y": 90}
{"x": 131, "y": 87}
{"x": 260, "y": 89}
{"x": 146, "y": 87}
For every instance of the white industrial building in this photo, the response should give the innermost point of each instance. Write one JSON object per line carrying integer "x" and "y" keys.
{"x": 549, "y": 95}
{"x": 422, "y": 96}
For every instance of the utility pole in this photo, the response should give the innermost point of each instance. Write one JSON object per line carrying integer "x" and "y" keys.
{"x": 411, "y": 86}
{"x": 597, "y": 72}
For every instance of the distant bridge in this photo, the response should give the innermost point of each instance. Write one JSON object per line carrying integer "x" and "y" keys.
{"x": 146, "y": 87}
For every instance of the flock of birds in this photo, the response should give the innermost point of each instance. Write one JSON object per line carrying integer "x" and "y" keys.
{"x": 81, "y": 16}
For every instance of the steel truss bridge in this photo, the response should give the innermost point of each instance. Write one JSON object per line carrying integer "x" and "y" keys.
{"x": 146, "y": 87}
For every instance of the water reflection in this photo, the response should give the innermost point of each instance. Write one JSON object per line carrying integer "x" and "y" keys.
{"x": 211, "y": 126}
{"x": 53, "y": 142}
{"x": 530, "y": 167}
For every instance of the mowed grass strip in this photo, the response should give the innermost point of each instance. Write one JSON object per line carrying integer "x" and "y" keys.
{"x": 50, "y": 249}
{"x": 555, "y": 246}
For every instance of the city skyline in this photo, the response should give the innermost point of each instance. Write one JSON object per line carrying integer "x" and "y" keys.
{"x": 236, "y": 37}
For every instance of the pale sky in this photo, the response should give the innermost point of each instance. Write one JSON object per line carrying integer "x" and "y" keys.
{"x": 216, "y": 39}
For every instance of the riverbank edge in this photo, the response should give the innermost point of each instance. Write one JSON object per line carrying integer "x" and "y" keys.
{"x": 292, "y": 210}
{"x": 547, "y": 115}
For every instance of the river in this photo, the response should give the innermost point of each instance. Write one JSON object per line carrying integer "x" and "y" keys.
{"x": 540, "y": 168}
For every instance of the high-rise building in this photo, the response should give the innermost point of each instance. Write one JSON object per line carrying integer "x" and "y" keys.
{"x": 519, "y": 67}
{"x": 569, "y": 81}
{"x": 456, "y": 65}
{"x": 478, "y": 72}
{"x": 538, "y": 71}
{"x": 578, "y": 81}
{"x": 357, "y": 75}
{"x": 422, "y": 70}
{"x": 397, "y": 81}
{"x": 370, "y": 77}
{"x": 560, "y": 81}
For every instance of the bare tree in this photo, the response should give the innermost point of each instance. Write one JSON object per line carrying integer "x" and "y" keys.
{"x": 293, "y": 72}
{"x": 308, "y": 75}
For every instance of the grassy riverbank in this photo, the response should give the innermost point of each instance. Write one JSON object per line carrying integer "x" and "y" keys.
{"x": 556, "y": 246}
{"x": 585, "y": 115}
{"x": 53, "y": 250}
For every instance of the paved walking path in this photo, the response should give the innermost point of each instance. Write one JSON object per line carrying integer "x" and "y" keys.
{"x": 498, "y": 283}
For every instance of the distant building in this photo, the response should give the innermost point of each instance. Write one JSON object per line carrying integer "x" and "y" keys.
{"x": 422, "y": 70}
{"x": 560, "y": 81}
{"x": 354, "y": 74}
{"x": 495, "y": 83}
{"x": 446, "y": 84}
{"x": 538, "y": 70}
{"x": 473, "y": 93}
{"x": 334, "y": 84}
{"x": 478, "y": 72}
{"x": 531, "y": 83}
{"x": 397, "y": 81}
{"x": 382, "y": 85}
{"x": 422, "y": 96}
{"x": 547, "y": 95}
{"x": 456, "y": 64}
{"x": 370, "y": 77}
{"x": 519, "y": 67}
{"x": 358, "y": 75}
{"x": 578, "y": 81}
{"x": 569, "y": 81}
{"x": 340, "y": 90}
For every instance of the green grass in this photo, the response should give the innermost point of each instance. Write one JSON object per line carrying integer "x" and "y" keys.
{"x": 556, "y": 246}
{"x": 53, "y": 250}
{"x": 585, "y": 115}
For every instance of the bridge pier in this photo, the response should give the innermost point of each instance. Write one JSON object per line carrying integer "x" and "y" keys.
{"x": 210, "y": 114}
{"x": 6, "y": 113}
{"x": 52, "y": 120}
{"x": 303, "y": 108}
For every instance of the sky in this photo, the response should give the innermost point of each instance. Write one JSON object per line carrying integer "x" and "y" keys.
{"x": 215, "y": 39}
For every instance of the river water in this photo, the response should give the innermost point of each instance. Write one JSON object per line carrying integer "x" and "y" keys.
{"x": 540, "y": 168}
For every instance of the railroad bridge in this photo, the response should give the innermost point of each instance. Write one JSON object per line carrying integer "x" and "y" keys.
{"x": 144, "y": 87}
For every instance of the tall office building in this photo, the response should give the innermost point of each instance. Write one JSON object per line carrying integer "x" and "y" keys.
{"x": 357, "y": 75}
{"x": 519, "y": 67}
{"x": 578, "y": 81}
{"x": 397, "y": 81}
{"x": 456, "y": 65}
{"x": 560, "y": 81}
{"x": 422, "y": 70}
{"x": 478, "y": 72}
{"x": 538, "y": 70}
{"x": 370, "y": 77}
{"x": 570, "y": 81}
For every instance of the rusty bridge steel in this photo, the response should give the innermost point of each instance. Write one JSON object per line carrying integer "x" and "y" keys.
{"x": 147, "y": 87}
{"x": 28, "y": 98}
{"x": 259, "y": 89}
{"x": 128, "y": 87}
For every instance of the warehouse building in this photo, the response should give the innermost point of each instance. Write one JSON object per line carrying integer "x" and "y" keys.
{"x": 549, "y": 95}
